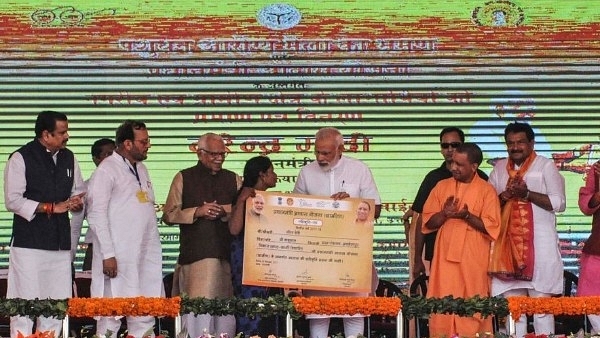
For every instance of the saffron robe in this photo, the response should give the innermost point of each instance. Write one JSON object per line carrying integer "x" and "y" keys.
{"x": 461, "y": 254}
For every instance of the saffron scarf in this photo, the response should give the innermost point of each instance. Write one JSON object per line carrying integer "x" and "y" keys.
{"x": 512, "y": 254}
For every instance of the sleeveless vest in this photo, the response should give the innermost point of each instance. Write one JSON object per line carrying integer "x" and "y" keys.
{"x": 47, "y": 182}
{"x": 205, "y": 238}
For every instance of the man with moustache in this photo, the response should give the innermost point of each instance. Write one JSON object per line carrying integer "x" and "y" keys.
{"x": 120, "y": 211}
{"x": 339, "y": 177}
{"x": 42, "y": 182}
{"x": 200, "y": 200}
{"x": 526, "y": 260}
{"x": 465, "y": 212}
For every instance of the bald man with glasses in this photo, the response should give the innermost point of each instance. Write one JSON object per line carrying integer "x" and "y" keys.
{"x": 199, "y": 201}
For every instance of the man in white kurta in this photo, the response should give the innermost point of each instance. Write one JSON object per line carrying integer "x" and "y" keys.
{"x": 337, "y": 176}
{"x": 127, "y": 252}
{"x": 101, "y": 149}
{"x": 42, "y": 183}
{"x": 544, "y": 187}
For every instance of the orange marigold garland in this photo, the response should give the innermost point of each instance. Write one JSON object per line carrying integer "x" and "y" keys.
{"x": 37, "y": 334}
{"x": 138, "y": 306}
{"x": 553, "y": 305}
{"x": 387, "y": 306}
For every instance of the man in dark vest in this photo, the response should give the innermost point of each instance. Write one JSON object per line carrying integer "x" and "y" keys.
{"x": 200, "y": 200}
{"x": 42, "y": 183}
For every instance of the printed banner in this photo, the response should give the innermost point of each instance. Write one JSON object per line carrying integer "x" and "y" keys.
{"x": 308, "y": 242}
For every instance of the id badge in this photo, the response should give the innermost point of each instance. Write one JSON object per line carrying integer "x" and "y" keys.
{"x": 142, "y": 196}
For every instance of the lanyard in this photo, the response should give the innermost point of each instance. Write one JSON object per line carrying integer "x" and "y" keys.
{"x": 133, "y": 170}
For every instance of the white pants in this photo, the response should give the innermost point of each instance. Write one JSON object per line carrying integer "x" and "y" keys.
{"x": 196, "y": 326}
{"x": 319, "y": 327}
{"x": 136, "y": 326}
{"x": 595, "y": 321}
{"x": 542, "y": 323}
{"x": 24, "y": 325}
{"x": 34, "y": 273}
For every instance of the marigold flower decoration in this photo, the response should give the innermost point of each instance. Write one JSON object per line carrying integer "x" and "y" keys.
{"x": 387, "y": 306}
{"x": 553, "y": 305}
{"x": 37, "y": 334}
{"x": 138, "y": 306}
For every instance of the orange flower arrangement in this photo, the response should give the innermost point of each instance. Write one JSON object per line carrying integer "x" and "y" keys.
{"x": 138, "y": 306}
{"x": 553, "y": 305}
{"x": 37, "y": 334}
{"x": 388, "y": 306}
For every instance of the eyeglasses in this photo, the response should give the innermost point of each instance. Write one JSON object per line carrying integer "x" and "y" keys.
{"x": 143, "y": 142}
{"x": 214, "y": 154}
{"x": 451, "y": 144}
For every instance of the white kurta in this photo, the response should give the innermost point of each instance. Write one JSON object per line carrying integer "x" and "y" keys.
{"x": 349, "y": 175}
{"x": 124, "y": 228}
{"x": 34, "y": 261}
{"x": 76, "y": 226}
{"x": 542, "y": 177}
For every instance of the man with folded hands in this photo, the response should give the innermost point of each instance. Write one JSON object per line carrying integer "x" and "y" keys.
{"x": 465, "y": 211}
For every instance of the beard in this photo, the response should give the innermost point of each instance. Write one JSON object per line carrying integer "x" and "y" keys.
{"x": 324, "y": 166}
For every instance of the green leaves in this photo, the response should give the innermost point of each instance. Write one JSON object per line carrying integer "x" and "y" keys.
{"x": 412, "y": 307}
{"x": 272, "y": 306}
{"x": 33, "y": 307}
{"x": 421, "y": 307}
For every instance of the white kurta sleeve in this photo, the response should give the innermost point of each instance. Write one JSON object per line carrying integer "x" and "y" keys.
{"x": 76, "y": 225}
{"x": 368, "y": 187}
{"x": 99, "y": 194}
{"x": 79, "y": 185}
{"x": 300, "y": 186}
{"x": 494, "y": 179}
{"x": 555, "y": 185}
{"x": 15, "y": 184}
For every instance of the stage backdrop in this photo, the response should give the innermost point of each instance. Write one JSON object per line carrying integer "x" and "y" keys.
{"x": 268, "y": 74}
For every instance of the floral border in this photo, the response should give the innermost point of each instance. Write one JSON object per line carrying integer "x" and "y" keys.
{"x": 298, "y": 306}
{"x": 554, "y": 305}
{"x": 387, "y": 306}
{"x": 138, "y": 306}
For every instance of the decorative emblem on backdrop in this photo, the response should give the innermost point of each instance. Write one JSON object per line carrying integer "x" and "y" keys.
{"x": 498, "y": 13}
{"x": 66, "y": 16}
{"x": 278, "y": 16}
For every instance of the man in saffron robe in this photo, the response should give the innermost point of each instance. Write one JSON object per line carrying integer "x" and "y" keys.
{"x": 526, "y": 258}
{"x": 465, "y": 211}
{"x": 450, "y": 139}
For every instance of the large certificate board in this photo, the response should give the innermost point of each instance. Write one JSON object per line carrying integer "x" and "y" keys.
{"x": 308, "y": 242}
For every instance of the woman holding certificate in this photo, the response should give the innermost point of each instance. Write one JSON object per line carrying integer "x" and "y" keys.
{"x": 258, "y": 175}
